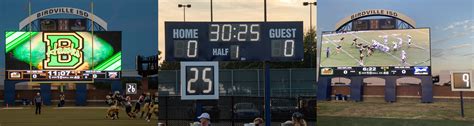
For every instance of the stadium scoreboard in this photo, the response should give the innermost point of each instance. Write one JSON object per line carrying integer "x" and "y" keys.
{"x": 234, "y": 41}
{"x": 461, "y": 81}
{"x": 376, "y": 71}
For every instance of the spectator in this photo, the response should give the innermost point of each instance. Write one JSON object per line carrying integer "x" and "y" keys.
{"x": 205, "y": 119}
{"x": 258, "y": 122}
{"x": 298, "y": 120}
{"x": 38, "y": 103}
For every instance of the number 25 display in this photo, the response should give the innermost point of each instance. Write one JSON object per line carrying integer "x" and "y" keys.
{"x": 199, "y": 80}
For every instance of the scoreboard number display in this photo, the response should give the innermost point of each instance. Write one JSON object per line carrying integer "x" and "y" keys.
{"x": 234, "y": 41}
{"x": 199, "y": 80}
{"x": 461, "y": 81}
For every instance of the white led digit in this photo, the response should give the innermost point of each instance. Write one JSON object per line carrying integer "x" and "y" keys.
{"x": 228, "y": 28}
{"x": 237, "y": 52}
{"x": 255, "y": 32}
{"x": 193, "y": 80}
{"x": 242, "y": 32}
{"x": 207, "y": 80}
{"x": 35, "y": 76}
{"x": 193, "y": 44}
{"x": 216, "y": 33}
{"x": 465, "y": 78}
{"x": 292, "y": 44}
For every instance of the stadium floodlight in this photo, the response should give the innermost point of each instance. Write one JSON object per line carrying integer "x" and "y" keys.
{"x": 309, "y": 3}
{"x": 184, "y": 6}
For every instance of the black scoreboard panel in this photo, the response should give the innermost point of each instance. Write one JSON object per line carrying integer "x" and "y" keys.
{"x": 374, "y": 24}
{"x": 376, "y": 71}
{"x": 234, "y": 41}
{"x": 461, "y": 81}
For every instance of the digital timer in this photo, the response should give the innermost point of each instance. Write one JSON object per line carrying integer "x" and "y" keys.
{"x": 234, "y": 32}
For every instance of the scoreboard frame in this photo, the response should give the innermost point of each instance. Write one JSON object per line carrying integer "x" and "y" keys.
{"x": 186, "y": 84}
{"x": 275, "y": 41}
{"x": 468, "y": 80}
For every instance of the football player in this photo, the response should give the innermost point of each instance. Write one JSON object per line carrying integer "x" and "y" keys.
{"x": 154, "y": 107}
{"x": 361, "y": 58}
{"x": 146, "y": 107}
{"x": 403, "y": 56}
{"x": 128, "y": 107}
{"x": 138, "y": 103}
{"x": 354, "y": 41}
{"x": 400, "y": 42}
{"x": 409, "y": 41}
{"x": 338, "y": 49}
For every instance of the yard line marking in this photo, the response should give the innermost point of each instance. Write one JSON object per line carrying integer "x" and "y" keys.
{"x": 382, "y": 51}
{"x": 14, "y": 108}
{"x": 81, "y": 108}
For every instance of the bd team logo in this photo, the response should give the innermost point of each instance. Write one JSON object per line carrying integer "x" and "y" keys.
{"x": 63, "y": 50}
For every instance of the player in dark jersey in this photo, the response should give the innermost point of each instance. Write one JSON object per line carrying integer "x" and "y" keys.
{"x": 128, "y": 107}
{"x": 146, "y": 107}
{"x": 338, "y": 49}
{"x": 139, "y": 103}
{"x": 361, "y": 57}
{"x": 154, "y": 107}
{"x": 112, "y": 111}
{"x": 354, "y": 41}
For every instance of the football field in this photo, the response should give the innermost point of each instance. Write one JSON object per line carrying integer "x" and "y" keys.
{"x": 73, "y": 116}
{"x": 417, "y": 54}
{"x": 405, "y": 112}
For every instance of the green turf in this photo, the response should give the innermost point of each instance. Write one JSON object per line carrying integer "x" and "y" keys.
{"x": 359, "y": 121}
{"x": 417, "y": 55}
{"x": 66, "y": 117}
{"x": 408, "y": 113}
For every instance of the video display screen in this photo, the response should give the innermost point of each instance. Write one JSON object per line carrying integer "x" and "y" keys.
{"x": 63, "y": 55}
{"x": 378, "y": 50}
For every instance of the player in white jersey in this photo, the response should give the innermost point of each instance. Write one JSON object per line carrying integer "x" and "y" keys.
{"x": 395, "y": 46}
{"x": 385, "y": 39}
{"x": 400, "y": 42}
{"x": 409, "y": 41}
{"x": 403, "y": 56}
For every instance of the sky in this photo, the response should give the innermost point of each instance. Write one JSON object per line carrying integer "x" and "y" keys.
{"x": 234, "y": 11}
{"x": 137, "y": 19}
{"x": 451, "y": 23}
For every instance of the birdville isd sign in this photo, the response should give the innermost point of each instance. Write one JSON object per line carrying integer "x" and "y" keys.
{"x": 62, "y": 10}
{"x": 376, "y": 12}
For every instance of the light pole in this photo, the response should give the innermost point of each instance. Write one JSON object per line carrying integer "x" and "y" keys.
{"x": 184, "y": 6}
{"x": 310, "y": 26}
{"x": 310, "y": 11}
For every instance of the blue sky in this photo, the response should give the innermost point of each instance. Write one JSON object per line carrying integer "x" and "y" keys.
{"x": 451, "y": 23}
{"x": 137, "y": 19}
